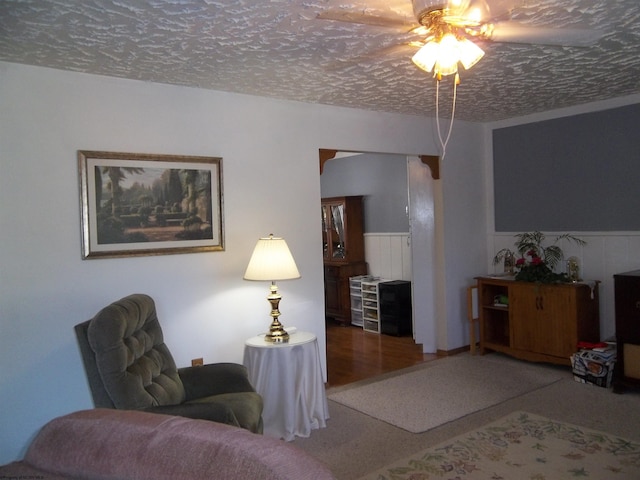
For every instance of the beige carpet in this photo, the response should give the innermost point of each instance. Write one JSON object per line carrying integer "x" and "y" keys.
{"x": 446, "y": 390}
{"x": 522, "y": 446}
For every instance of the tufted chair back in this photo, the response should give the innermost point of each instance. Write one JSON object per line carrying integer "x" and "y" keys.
{"x": 129, "y": 367}
{"x": 134, "y": 367}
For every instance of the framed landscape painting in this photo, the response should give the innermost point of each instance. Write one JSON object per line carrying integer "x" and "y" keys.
{"x": 143, "y": 204}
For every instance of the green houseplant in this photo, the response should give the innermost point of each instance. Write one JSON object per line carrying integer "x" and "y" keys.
{"x": 537, "y": 261}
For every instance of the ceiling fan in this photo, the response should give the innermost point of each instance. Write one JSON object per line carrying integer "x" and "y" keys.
{"x": 488, "y": 20}
{"x": 443, "y": 31}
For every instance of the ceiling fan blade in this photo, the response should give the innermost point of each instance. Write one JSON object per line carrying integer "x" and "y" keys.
{"x": 512, "y": 32}
{"x": 364, "y": 18}
{"x": 501, "y": 9}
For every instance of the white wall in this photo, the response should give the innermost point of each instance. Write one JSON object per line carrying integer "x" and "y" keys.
{"x": 271, "y": 184}
{"x": 462, "y": 227}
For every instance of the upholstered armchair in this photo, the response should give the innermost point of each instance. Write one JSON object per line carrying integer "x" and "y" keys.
{"x": 129, "y": 367}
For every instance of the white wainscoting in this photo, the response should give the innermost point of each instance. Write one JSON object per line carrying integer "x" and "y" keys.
{"x": 604, "y": 255}
{"x": 388, "y": 255}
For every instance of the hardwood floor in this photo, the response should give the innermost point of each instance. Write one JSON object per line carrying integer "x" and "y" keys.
{"x": 353, "y": 354}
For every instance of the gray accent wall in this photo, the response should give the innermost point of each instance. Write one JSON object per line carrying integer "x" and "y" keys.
{"x": 381, "y": 179}
{"x": 577, "y": 173}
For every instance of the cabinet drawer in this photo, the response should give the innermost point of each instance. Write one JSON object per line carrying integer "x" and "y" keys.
{"x": 356, "y": 303}
{"x": 371, "y": 326}
{"x": 332, "y": 271}
{"x": 356, "y": 317}
{"x": 370, "y": 313}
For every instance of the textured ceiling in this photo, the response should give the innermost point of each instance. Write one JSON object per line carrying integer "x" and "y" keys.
{"x": 278, "y": 48}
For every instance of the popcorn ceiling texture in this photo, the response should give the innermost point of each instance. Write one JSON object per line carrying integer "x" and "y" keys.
{"x": 279, "y": 49}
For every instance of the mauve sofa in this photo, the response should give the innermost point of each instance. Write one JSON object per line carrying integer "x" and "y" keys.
{"x": 124, "y": 444}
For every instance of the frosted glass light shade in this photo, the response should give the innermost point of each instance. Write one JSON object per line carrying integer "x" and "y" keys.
{"x": 271, "y": 260}
{"x": 443, "y": 56}
{"x": 448, "y": 56}
{"x": 426, "y": 57}
{"x": 470, "y": 53}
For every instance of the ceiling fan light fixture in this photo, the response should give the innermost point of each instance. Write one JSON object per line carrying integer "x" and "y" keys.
{"x": 442, "y": 56}
{"x": 476, "y": 12}
{"x": 426, "y": 57}
{"x": 470, "y": 53}
{"x": 448, "y": 56}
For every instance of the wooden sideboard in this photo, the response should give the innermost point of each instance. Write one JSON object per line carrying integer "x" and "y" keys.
{"x": 537, "y": 322}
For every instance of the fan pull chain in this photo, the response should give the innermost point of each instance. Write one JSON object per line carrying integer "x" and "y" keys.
{"x": 443, "y": 143}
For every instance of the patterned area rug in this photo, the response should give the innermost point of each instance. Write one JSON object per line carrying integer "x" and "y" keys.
{"x": 522, "y": 446}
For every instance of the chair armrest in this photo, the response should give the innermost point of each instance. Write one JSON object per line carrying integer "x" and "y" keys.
{"x": 214, "y": 379}
{"x": 212, "y": 411}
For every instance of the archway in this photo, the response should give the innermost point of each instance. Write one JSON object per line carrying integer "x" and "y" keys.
{"x": 425, "y": 208}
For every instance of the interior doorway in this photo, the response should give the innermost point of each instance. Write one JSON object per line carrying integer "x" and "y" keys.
{"x": 419, "y": 211}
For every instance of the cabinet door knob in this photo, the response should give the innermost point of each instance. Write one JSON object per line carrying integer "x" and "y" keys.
{"x": 539, "y": 303}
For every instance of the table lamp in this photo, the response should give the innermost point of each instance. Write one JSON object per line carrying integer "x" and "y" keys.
{"x": 271, "y": 260}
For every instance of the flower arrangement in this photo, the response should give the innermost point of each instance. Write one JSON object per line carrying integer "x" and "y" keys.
{"x": 537, "y": 261}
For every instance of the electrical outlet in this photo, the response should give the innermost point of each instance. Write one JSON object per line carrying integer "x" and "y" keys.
{"x": 197, "y": 362}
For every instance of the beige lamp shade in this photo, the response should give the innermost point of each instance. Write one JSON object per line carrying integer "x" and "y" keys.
{"x": 271, "y": 260}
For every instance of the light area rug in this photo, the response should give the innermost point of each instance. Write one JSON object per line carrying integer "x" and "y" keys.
{"x": 446, "y": 389}
{"x": 522, "y": 446}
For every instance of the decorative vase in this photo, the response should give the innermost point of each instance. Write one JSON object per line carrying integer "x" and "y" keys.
{"x": 509, "y": 262}
{"x": 573, "y": 269}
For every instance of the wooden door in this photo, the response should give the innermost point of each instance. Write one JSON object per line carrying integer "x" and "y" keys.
{"x": 543, "y": 318}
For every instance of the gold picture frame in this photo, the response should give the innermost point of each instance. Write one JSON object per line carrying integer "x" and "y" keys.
{"x": 143, "y": 204}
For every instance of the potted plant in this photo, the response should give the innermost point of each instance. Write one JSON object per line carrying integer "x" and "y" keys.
{"x": 537, "y": 261}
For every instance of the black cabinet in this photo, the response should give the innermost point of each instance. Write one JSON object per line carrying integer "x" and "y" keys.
{"x": 394, "y": 298}
{"x": 627, "y": 304}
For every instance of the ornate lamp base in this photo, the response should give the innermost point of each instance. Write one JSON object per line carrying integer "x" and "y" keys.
{"x": 276, "y": 333}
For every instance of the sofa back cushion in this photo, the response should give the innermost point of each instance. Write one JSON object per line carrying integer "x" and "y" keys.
{"x": 135, "y": 365}
{"x": 117, "y": 444}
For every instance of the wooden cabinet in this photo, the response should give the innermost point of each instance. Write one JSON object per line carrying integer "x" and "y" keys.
{"x": 537, "y": 322}
{"x": 343, "y": 252}
{"x": 627, "y": 305}
{"x": 342, "y": 230}
{"x": 337, "y": 294}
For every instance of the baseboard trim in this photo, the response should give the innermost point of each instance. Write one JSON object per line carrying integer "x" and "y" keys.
{"x": 455, "y": 351}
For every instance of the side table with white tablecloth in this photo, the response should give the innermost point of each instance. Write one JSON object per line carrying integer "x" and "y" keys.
{"x": 289, "y": 378}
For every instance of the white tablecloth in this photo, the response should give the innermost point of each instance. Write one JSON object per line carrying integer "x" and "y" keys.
{"x": 289, "y": 378}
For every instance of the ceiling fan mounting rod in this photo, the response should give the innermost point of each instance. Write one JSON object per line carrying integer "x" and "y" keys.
{"x": 424, "y": 8}
{"x": 435, "y": 23}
